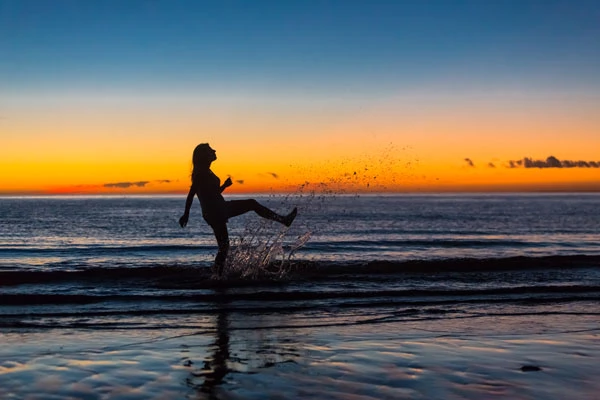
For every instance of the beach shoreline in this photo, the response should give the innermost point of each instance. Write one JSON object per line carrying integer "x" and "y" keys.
{"x": 276, "y": 355}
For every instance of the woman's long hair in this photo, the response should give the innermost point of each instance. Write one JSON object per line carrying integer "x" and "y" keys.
{"x": 200, "y": 159}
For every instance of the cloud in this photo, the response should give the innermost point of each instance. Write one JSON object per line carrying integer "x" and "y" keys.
{"x": 552, "y": 162}
{"x": 515, "y": 163}
{"x": 469, "y": 162}
{"x": 491, "y": 165}
{"x": 268, "y": 175}
{"x": 271, "y": 174}
{"x": 580, "y": 164}
{"x": 127, "y": 185}
{"x": 240, "y": 181}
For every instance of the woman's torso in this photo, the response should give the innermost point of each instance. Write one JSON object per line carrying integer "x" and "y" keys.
{"x": 208, "y": 190}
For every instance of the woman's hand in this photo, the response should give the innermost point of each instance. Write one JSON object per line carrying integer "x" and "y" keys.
{"x": 226, "y": 184}
{"x": 184, "y": 220}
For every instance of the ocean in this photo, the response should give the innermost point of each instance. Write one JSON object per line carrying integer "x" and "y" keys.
{"x": 76, "y": 269}
{"x": 75, "y": 233}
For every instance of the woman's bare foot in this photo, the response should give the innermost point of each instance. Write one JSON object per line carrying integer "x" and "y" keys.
{"x": 287, "y": 221}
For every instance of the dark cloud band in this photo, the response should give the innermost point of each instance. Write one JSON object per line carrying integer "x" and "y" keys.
{"x": 127, "y": 185}
{"x": 552, "y": 162}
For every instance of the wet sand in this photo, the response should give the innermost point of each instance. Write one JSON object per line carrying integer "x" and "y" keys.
{"x": 238, "y": 355}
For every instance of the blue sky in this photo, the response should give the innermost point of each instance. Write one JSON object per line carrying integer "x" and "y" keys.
{"x": 369, "y": 46}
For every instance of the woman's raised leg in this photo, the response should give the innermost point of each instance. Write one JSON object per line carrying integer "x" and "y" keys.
{"x": 239, "y": 207}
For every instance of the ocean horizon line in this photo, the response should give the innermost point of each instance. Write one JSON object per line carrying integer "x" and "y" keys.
{"x": 303, "y": 194}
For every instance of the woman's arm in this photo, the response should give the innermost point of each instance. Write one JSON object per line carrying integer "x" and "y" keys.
{"x": 188, "y": 204}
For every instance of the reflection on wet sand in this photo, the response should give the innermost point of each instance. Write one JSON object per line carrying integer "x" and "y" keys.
{"x": 249, "y": 355}
{"x": 252, "y": 344}
{"x": 215, "y": 367}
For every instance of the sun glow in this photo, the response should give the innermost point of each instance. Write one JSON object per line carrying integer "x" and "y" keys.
{"x": 398, "y": 144}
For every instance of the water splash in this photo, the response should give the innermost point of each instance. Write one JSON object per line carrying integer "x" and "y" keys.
{"x": 258, "y": 253}
{"x": 263, "y": 250}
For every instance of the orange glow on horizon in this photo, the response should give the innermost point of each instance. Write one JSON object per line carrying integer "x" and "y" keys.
{"x": 404, "y": 144}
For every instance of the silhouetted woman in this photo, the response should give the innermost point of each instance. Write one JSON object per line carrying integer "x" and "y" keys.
{"x": 215, "y": 210}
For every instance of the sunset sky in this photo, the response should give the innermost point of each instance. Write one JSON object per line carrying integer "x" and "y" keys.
{"x": 417, "y": 96}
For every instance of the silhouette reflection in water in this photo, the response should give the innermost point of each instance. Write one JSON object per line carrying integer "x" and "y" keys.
{"x": 215, "y": 366}
{"x": 241, "y": 346}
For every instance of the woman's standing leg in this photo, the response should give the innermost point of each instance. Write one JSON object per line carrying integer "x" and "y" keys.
{"x": 222, "y": 237}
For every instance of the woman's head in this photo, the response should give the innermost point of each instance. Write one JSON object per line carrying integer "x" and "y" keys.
{"x": 202, "y": 157}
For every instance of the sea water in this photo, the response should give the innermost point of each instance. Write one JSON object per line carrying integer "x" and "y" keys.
{"x": 58, "y": 251}
{"x": 73, "y": 233}
{"x": 396, "y": 296}
{"x": 88, "y": 250}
